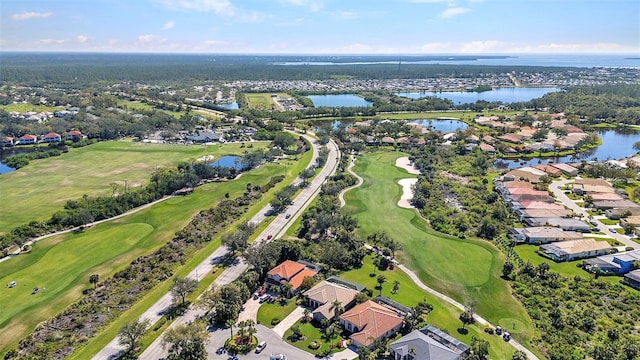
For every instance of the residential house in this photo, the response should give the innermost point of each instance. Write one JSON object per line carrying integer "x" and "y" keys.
{"x": 566, "y": 224}
{"x": 633, "y": 279}
{"x": 388, "y": 140}
{"x": 512, "y": 138}
{"x": 619, "y": 263}
{"x": 487, "y": 148}
{"x": 74, "y": 135}
{"x": 542, "y": 235}
{"x": 543, "y": 213}
{"x": 526, "y": 173}
{"x": 618, "y": 213}
{"x": 7, "y": 141}
{"x": 630, "y": 220}
{"x": 52, "y": 137}
{"x": 588, "y": 186}
{"x": 27, "y": 139}
{"x": 322, "y": 296}
{"x": 428, "y": 343}
{"x": 605, "y": 196}
{"x": 370, "y": 321}
{"x": 575, "y": 249}
{"x": 615, "y": 204}
{"x": 204, "y": 137}
{"x": 566, "y": 169}
{"x": 291, "y": 272}
{"x": 550, "y": 170}
{"x": 489, "y": 139}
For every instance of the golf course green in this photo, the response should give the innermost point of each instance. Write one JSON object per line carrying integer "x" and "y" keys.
{"x": 466, "y": 269}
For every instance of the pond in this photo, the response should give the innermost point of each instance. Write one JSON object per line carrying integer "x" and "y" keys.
{"x": 505, "y": 95}
{"x": 7, "y": 152}
{"x": 441, "y": 125}
{"x": 342, "y": 100}
{"x": 229, "y": 162}
{"x": 230, "y": 106}
{"x": 616, "y": 144}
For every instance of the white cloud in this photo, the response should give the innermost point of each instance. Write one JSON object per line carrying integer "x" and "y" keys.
{"x": 168, "y": 25}
{"x": 147, "y": 38}
{"x": 50, "y": 41}
{"x": 453, "y": 11}
{"x": 313, "y": 5}
{"x": 31, "y": 15}
{"x": 215, "y": 42}
{"x": 584, "y": 48}
{"x": 82, "y": 38}
{"x": 220, "y": 7}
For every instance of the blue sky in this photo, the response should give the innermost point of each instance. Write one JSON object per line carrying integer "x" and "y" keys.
{"x": 322, "y": 26}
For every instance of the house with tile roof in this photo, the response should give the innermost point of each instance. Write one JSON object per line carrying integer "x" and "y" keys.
{"x": 74, "y": 135}
{"x": 428, "y": 343}
{"x": 370, "y": 321}
{"x": 575, "y": 249}
{"x": 7, "y": 141}
{"x": 27, "y": 139}
{"x": 52, "y": 137}
{"x": 291, "y": 272}
{"x": 322, "y": 297}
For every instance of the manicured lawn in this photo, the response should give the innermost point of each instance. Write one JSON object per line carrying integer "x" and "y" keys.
{"x": 41, "y": 188}
{"x": 23, "y": 108}
{"x": 466, "y": 269}
{"x": 118, "y": 242}
{"x": 443, "y": 316}
{"x": 261, "y": 101}
{"x": 269, "y": 311}
{"x": 311, "y": 333}
{"x": 609, "y": 221}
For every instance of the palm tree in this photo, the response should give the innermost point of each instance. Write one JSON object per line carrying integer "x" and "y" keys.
{"x": 230, "y": 323}
{"x": 381, "y": 279}
{"x": 337, "y": 308}
{"x": 307, "y": 315}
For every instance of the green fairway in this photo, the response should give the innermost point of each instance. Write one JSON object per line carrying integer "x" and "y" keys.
{"x": 23, "y": 108}
{"x": 41, "y": 188}
{"x": 62, "y": 264}
{"x": 262, "y": 101}
{"x": 444, "y": 315}
{"x": 466, "y": 269}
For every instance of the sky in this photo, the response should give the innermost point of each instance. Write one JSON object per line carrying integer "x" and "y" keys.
{"x": 322, "y": 26}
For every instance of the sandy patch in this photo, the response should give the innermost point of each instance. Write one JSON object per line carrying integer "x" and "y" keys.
{"x": 205, "y": 158}
{"x": 407, "y": 192}
{"x": 404, "y": 163}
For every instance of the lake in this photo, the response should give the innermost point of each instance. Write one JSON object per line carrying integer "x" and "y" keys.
{"x": 342, "y": 100}
{"x": 616, "y": 144}
{"x": 505, "y": 95}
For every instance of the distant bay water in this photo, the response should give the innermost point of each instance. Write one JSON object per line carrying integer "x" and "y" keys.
{"x": 568, "y": 60}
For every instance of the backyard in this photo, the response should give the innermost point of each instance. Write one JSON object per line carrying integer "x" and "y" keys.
{"x": 466, "y": 269}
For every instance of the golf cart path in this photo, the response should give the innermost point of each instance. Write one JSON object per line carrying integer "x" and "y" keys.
{"x": 431, "y": 291}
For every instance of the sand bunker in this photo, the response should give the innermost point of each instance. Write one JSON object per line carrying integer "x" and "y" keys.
{"x": 404, "y": 163}
{"x": 206, "y": 158}
{"x": 407, "y": 192}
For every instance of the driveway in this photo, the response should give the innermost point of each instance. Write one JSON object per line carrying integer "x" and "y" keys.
{"x": 287, "y": 322}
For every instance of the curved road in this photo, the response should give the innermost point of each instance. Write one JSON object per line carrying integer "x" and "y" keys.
{"x": 555, "y": 187}
{"x": 276, "y": 228}
{"x": 426, "y": 288}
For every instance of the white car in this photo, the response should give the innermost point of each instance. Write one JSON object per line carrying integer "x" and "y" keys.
{"x": 261, "y": 346}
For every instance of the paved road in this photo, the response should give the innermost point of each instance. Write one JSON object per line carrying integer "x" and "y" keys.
{"x": 433, "y": 292}
{"x": 555, "y": 187}
{"x": 276, "y": 228}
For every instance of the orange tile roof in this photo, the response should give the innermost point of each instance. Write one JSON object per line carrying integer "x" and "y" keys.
{"x": 372, "y": 319}
{"x": 287, "y": 269}
{"x": 296, "y": 280}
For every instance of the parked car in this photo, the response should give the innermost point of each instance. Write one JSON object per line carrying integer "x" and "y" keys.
{"x": 506, "y": 336}
{"x": 498, "y": 330}
{"x": 35, "y": 290}
{"x": 612, "y": 230}
{"x": 12, "y": 284}
{"x": 264, "y": 298}
{"x": 269, "y": 237}
{"x": 261, "y": 346}
{"x": 287, "y": 216}
{"x": 593, "y": 223}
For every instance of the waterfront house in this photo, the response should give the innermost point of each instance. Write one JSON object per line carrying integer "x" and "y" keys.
{"x": 7, "y": 141}
{"x": 370, "y": 321}
{"x": 52, "y": 137}
{"x": 27, "y": 139}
